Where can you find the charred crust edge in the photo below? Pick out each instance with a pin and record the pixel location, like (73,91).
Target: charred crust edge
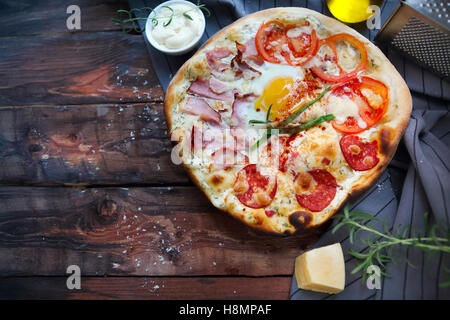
(300,220)
(386,140)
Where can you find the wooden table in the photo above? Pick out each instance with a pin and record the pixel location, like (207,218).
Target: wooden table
(86,176)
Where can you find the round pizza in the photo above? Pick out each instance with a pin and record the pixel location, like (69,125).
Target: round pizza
(283,115)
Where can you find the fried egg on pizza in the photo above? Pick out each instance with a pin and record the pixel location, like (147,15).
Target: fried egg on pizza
(326,102)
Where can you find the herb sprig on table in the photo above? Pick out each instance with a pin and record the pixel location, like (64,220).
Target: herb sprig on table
(283,125)
(436,238)
(130,20)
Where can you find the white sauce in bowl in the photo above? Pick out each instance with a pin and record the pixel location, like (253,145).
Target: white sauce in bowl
(181,31)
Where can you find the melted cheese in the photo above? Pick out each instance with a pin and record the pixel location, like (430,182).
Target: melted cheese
(342,108)
(303,182)
(241,184)
(295,32)
(348,56)
(374,99)
(262,198)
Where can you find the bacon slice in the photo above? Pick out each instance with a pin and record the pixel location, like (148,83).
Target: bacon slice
(211,137)
(214,139)
(227,157)
(196,138)
(217,86)
(199,107)
(360,155)
(320,194)
(241,67)
(239,107)
(245,53)
(203,89)
(251,53)
(259,190)
(239,119)
(214,58)
(238,114)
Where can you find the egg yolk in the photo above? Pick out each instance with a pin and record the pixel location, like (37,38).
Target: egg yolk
(276,93)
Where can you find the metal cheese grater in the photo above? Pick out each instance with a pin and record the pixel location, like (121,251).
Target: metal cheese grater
(420,29)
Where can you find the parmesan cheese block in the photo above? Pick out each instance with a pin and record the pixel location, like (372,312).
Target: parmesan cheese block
(321,269)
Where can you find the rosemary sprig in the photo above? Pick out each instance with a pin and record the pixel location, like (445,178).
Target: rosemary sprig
(291,130)
(297,112)
(268,131)
(381,244)
(170,17)
(264,138)
(187,16)
(307,125)
(129,19)
(268,113)
(282,125)
(259,122)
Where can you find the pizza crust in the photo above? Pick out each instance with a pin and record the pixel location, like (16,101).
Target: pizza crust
(390,128)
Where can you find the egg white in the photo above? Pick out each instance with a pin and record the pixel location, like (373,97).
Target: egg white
(256,86)
(270,72)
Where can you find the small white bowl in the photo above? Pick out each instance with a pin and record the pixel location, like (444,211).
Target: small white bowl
(173,52)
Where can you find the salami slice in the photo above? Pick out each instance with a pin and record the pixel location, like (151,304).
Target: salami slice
(253,189)
(360,155)
(317,196)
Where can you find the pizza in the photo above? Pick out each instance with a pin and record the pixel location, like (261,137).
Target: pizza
(285,114)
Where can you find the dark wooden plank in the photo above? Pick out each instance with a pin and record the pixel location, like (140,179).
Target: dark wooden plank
(135,231)
(195,288)
(76,69)
(87,144)
(18,18)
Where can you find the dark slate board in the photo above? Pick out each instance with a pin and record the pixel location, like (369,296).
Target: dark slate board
(417,176)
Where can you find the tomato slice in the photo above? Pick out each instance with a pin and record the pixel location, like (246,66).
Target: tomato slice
(372,98)
(275,46)
(376,94)
(349,126)
(370,115)
(269,40)
(343,76)
(303,47)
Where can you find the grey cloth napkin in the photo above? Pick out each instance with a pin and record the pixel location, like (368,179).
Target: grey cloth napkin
(417,180)
(426,188)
